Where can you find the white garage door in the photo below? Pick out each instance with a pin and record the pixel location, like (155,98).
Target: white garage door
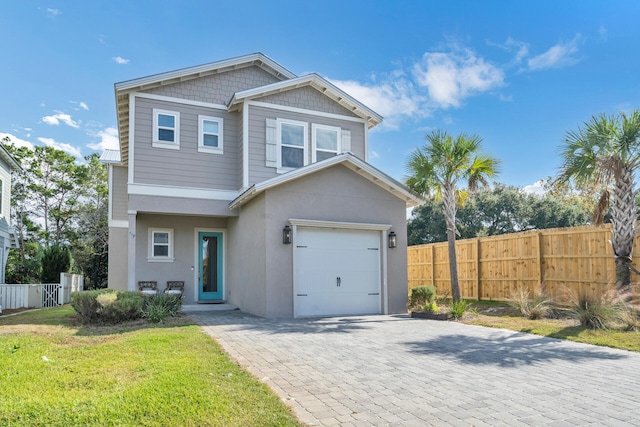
(337,272)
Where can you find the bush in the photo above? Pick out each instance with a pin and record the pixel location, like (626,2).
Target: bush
(87,306)
(538,307)
(422,296)
(595,311)
(159,307)
(55,260)
(123,309)
(457,308)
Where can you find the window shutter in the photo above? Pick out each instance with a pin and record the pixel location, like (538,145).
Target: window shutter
(345,143)
(272,143)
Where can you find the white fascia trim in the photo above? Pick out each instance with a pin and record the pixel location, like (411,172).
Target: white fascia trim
(341,225)
(110,192)
(116,223)
(203,69)
(307,112)
(180,101)
(366,143)
(132,127)
(181,192)
(245,147)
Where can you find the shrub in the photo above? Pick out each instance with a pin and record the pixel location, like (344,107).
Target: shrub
(457,308)
(159,307)
(123,309)
(629,319)
(431,307)
(87,306)
(422,296)
(55,260)
(595,311)
(538,307)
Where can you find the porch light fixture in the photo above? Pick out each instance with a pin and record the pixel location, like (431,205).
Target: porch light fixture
(286,235)
(393,241)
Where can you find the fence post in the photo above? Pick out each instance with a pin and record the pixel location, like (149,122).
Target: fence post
(433,265)
(540,259)
(478,285)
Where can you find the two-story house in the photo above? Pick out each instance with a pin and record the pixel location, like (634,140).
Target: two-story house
(251,184)
(7,236)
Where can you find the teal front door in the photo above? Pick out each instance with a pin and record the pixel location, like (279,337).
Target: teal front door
(210,266)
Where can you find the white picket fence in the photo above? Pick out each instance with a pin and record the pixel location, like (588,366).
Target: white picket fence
(40,295)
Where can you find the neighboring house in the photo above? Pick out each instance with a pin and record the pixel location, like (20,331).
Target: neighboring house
(7,235)
(221,164)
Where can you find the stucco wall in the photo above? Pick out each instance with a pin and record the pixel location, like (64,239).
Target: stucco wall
(117,275)
(184,250)
(335,194)
(247,259)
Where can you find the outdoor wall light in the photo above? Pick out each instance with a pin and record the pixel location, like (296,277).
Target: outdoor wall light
(393,241)
(286,235)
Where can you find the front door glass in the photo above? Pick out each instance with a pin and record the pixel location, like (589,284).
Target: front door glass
(210,266)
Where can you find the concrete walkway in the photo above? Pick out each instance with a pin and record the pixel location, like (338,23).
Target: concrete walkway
(397,371)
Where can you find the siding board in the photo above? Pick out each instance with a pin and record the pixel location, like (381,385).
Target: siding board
(119,194)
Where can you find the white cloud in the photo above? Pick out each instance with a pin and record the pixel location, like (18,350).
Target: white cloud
(108,140)
(451,77)
(374,155)
(67,148)
(53,12)
(61,117)
(16,141)
(120,60)
(84,105)
(535,188)
(558,56)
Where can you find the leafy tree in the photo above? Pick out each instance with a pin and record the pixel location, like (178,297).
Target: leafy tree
(493,211)
(437,168)
(55,260)
(606,151)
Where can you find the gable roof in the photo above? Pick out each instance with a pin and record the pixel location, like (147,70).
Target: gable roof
(348,160)
(123,89)
(9,159)
(314,80)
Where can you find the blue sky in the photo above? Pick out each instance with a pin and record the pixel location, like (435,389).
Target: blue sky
(518,73)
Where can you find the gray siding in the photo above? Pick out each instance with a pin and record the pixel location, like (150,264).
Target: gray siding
(217,88)
(309,99)
(185,167)
(180,206)
(257,133)
(119,193)
(5,202)
(117,264)
(184,250)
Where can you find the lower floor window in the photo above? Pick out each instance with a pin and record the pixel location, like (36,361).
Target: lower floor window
(160,244)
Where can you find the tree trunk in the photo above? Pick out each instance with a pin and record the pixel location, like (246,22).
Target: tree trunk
(449,206)
(623,219)
(453,266)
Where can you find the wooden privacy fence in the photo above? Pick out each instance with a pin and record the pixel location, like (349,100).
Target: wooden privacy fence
(489,268)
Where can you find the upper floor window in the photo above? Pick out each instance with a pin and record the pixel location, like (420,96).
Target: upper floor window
(326,142)
(292,139)
(210,134)
(166,129)
(160,245)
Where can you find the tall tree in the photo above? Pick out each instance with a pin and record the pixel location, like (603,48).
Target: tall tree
(606,151)
(438,168)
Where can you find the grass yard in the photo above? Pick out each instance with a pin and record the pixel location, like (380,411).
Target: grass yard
(56,373)
(500,315)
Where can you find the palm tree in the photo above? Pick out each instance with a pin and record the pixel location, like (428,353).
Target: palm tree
(607,152)
(437,168)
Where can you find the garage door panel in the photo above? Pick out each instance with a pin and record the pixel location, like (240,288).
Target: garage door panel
(337,272)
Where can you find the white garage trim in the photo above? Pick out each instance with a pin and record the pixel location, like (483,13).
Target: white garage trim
(380,228)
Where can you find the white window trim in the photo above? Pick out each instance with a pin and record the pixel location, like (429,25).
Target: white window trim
(204,148)
(337,130)
(175,145)
(150,256)
(305,143)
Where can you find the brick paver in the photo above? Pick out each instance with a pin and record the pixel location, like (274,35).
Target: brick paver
(398,371)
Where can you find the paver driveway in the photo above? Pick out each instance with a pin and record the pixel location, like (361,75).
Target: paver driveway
(394,370)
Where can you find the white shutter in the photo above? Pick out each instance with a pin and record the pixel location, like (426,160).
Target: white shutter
(272,143)
(345,143)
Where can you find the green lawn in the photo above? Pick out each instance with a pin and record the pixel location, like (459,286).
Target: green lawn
(56,373)
(569,329)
